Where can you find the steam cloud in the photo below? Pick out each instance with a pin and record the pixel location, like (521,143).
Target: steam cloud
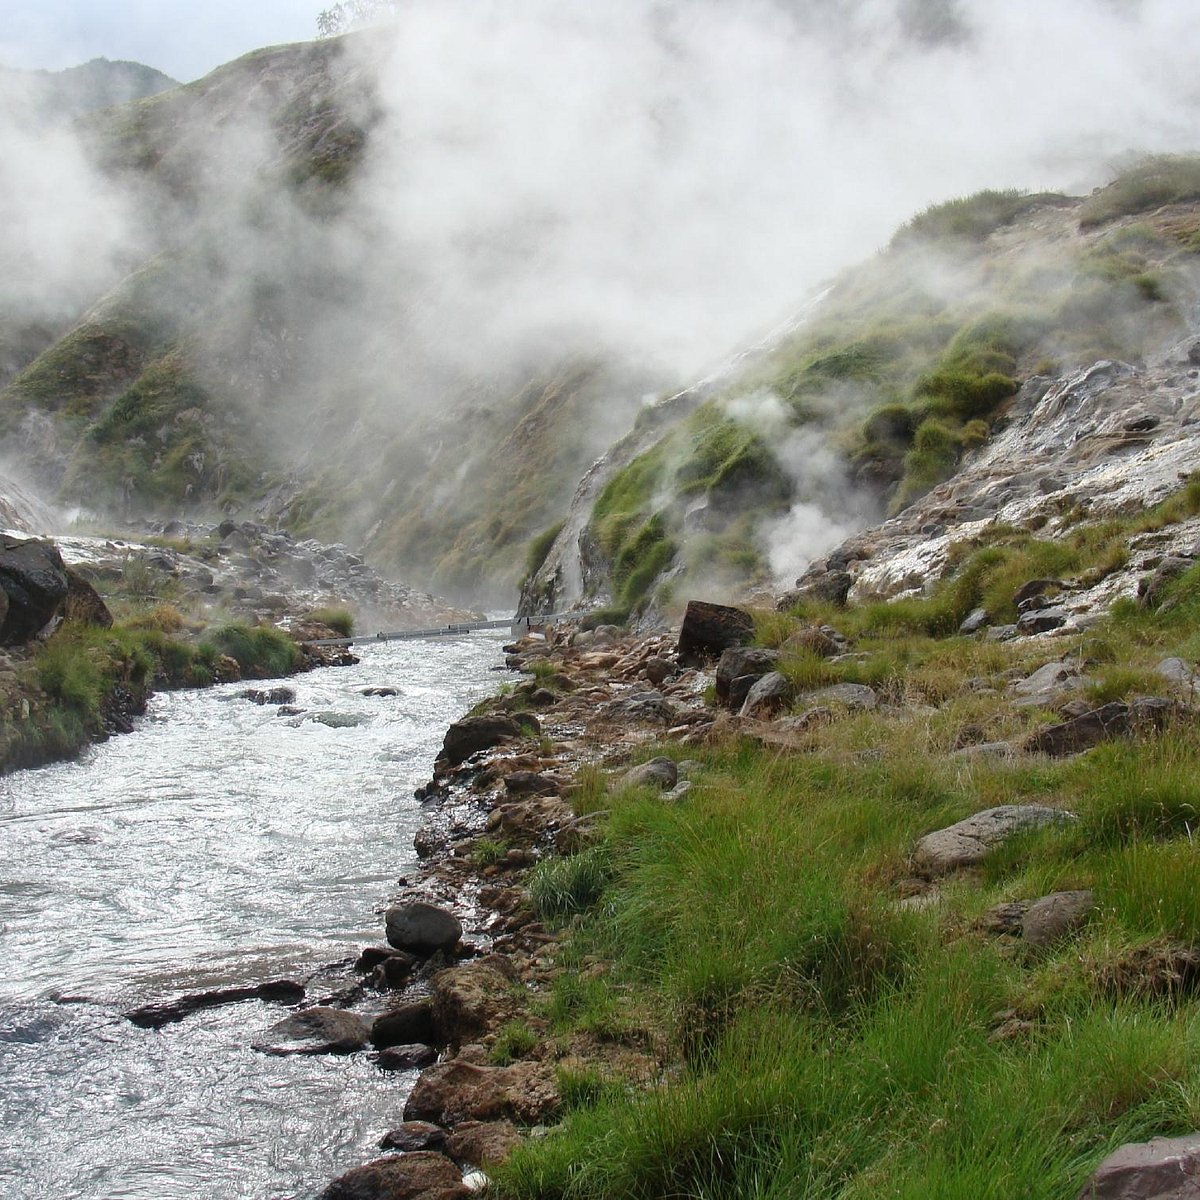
(659,181)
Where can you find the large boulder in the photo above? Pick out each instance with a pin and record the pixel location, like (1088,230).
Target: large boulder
(970,841)
(709,629)
(34,578)
(768,695)
(483,1143)
(472,734)
(659,772)
(455,1091)
(423,1175)
(473,999)
(406,1025)
(1160,1169)
(421,928)
(317,1030)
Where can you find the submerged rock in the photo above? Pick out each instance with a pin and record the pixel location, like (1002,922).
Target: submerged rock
(154,1016)
(317,1030)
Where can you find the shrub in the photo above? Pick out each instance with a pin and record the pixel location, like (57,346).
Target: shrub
(259,650)
(1154,181)
(340,620)
(562,887)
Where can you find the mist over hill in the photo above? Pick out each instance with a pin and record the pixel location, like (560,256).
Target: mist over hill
(404,286)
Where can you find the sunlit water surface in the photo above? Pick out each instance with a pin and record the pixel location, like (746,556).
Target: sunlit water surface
(220,844)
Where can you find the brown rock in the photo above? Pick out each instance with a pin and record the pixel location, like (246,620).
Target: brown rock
(1160,1169)
(413,1136)
(483,1143)
(83,603)
(1055,916)
(473,999)
(815,640)
(452,1092)
(420,1176)
(709,629)
(1118,719)
(413,1022)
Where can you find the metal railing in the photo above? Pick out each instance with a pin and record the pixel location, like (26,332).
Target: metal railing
(516,624)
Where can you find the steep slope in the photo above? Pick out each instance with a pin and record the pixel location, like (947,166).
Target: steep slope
(904,371)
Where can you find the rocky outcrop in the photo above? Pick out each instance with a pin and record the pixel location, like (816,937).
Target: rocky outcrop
(456,1091)
(969,842)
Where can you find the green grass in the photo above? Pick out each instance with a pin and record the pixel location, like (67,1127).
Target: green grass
(1155,181)
(562,887)
(340,620)
(260,651)
(514,1041)
(971,218)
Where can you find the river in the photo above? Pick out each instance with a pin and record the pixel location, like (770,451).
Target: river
(218,844)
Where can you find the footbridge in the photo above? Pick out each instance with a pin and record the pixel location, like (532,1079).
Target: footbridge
(517,625)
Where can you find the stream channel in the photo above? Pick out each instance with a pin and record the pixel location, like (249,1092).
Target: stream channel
(220,844)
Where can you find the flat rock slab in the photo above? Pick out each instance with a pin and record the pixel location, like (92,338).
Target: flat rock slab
(1160,1169)
(1047,684)
(317,1030)
(424,1175)
(970,841)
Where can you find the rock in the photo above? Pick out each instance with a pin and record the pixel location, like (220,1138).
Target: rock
(1054,916)
(1004,919)
(371,957)
(974,621)
(1175,670)
(340,720)
(424,1175)
(986,750)
(154,1016)
(1117,719)
(405,1057)
(394,972)
(1035,587)
(1001,633)
(380,691)
(451,1092)
(1160,1169)
(275,695)
(810,718)
(855,696)
(472,734)
(1047,684)
(767,696)
(710,629)
(483,1143)
(316,1031)
(83,603)
(1152,588)
(648,707)
(421,928)
(742,663)
(814,640)
(828,587)
(658,772)
(1041,620)
(530,783)
(969,841)
(473,999)
(658,670)
(34,578)
(413,1136)
(404,1025)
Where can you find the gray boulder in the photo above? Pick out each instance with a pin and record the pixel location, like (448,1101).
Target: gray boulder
(1117,719)
(767,696)
(708,629)
(317,1030)
(968,842)
(421,928)
(855,696)
(658,772)
(741,662)
(1160,1169)
(1041,620)
(1047,684)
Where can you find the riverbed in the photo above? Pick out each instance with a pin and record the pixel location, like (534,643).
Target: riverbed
(221,843)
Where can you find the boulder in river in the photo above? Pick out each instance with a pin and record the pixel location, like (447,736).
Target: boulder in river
(404,1025)
(317,1030)
(421,927)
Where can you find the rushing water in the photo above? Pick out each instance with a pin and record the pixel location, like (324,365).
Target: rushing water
(219,844)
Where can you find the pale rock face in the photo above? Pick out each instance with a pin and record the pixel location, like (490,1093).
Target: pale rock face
(1112,438)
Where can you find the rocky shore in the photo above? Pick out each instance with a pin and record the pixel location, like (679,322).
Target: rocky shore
(462,989)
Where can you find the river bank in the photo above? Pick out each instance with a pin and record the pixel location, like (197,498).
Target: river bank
(760,925)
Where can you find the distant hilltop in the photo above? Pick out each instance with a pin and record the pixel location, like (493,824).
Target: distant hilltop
(100,83)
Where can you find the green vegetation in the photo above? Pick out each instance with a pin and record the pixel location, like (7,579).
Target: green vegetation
(340,620)
(971,218)
(820,1036)
(514,1041)
(260,651)
(1157,180)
